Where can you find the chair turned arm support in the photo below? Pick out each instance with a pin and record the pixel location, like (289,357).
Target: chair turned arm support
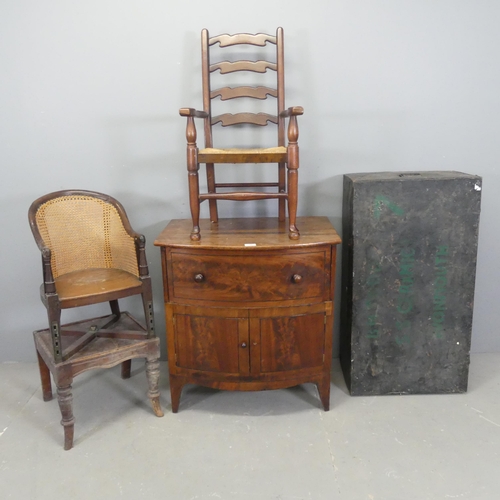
(49,286)
(140,245)
(191,114)
(293,128)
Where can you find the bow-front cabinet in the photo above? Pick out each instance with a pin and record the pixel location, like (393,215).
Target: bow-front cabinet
(247,308)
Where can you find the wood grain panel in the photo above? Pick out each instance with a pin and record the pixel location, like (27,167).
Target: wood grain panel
(256,277)
(262,232)
(81,287)
(292,343)
(208,343)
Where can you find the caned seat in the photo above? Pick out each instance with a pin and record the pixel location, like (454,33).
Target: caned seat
(286,156)
(90,254)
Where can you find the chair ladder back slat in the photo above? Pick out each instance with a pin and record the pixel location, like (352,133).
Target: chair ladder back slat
(259,39)
(260,119)
(226,67)
(226,93)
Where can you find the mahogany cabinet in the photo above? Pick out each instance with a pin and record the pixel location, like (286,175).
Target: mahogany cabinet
(247,308)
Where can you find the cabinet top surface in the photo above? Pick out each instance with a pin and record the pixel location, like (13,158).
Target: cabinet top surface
(249,233)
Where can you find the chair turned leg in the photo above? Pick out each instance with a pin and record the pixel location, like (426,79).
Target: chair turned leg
(153,374)
(126,367)
(214,217)
(281,189)
(45,378)
(292,202)
(194,186)
(293,173)
(115,308)
(194,204)
(65,400)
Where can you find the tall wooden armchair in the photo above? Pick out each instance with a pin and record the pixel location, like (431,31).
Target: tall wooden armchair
(231,48)
(90,254)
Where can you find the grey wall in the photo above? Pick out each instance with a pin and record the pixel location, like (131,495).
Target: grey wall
(90,93)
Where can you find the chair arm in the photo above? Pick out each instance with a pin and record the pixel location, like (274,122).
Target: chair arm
(49,286)
(193,113)
(131,232)
(292,111)
(140,246)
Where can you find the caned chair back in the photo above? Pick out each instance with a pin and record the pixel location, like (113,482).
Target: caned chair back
(83,230)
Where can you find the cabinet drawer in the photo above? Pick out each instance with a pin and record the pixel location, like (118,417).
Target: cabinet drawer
(251,277)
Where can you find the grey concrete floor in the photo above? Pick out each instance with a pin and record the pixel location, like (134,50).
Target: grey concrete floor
(242,446)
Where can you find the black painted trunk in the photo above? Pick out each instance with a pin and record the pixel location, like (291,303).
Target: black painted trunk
(408,273)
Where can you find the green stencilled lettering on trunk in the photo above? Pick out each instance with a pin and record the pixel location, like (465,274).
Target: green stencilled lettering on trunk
(405,299)
(382,201)
(440,291)
(372,285)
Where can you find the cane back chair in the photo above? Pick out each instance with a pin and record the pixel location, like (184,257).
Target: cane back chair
(90,254)
(286,156)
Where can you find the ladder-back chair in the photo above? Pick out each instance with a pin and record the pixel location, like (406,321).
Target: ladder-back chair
(90,254)
(285,155)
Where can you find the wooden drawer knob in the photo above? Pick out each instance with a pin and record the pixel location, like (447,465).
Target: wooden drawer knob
(297,278)
(199,278)
(243,345)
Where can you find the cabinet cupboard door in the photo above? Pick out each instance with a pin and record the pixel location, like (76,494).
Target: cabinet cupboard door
(288,342)
(211,343)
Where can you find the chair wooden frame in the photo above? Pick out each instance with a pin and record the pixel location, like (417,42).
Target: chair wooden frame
(68,350)
(287,157)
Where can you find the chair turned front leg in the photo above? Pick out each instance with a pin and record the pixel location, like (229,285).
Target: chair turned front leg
(45,378)
(153,374)
(293,166)
(194,204)
(65,400)
(194,186)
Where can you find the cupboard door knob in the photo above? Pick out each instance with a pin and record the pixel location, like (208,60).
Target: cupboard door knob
(243,345)
(297,278)
(199,278)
